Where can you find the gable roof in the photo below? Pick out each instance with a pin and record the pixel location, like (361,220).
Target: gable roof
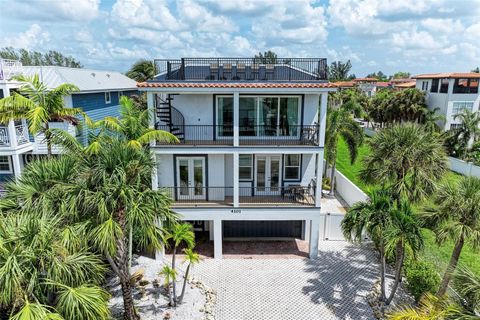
(454,75)
(84,79)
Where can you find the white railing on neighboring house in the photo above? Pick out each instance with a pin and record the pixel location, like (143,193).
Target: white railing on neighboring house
(21,133)
(463,167)
(4,138)
(9,68)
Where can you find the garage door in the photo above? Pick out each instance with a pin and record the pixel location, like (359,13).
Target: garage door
(262,229)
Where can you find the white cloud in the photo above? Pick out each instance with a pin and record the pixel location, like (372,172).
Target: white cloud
(71,10)
(33,38)
(202,19)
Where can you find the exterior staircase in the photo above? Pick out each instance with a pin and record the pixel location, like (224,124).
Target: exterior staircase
(168,117)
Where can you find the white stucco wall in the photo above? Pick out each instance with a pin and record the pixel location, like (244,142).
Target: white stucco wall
(216,176)
(311,108)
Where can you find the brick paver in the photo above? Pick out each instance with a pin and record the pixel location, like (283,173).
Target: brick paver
(331,287)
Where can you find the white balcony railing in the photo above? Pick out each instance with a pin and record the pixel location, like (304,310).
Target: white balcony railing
(9,68)
(4,138)
(21,133)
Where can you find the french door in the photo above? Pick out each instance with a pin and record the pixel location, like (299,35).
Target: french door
(191,178)
(268,175)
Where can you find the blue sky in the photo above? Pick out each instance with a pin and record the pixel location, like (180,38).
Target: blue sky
(389,35)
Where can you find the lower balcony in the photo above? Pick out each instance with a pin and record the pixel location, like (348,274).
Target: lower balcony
(19,137)
(289,196)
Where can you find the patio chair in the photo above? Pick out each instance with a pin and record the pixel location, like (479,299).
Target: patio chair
(269,71)
(240,72)
(213,71)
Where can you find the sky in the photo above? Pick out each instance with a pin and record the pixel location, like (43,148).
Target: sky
(417,36)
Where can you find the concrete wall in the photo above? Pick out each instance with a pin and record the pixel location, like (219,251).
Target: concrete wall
(463,167)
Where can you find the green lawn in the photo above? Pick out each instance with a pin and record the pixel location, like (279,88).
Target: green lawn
(440,255)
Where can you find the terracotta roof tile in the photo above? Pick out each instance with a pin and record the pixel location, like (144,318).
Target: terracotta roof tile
(406,85)
(344,84)
(235,85)
(447,75)
(365,79)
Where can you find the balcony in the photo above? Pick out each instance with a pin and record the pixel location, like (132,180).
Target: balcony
(242,69)
(20,137)
(192,135)
(289,196)
(9,68)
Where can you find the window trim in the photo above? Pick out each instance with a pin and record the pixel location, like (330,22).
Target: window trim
(109,95)
(453,106)
(251,167)
(285,166)
(10,166)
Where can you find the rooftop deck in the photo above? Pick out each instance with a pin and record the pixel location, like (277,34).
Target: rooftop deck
(241,69)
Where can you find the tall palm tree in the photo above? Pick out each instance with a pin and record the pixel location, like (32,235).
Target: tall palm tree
(178,234)
(469,131)
(339,70)
(455,215)
(407,160)
(142,70)
(191,258)
(39,105)
(340,123)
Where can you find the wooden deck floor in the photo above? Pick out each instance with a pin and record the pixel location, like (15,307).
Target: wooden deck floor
(254,201)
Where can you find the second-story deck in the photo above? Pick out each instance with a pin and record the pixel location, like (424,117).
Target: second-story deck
(241,69)
(18,136)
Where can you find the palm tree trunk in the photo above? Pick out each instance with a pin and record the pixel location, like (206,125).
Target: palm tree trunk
(170,295)
(48,138)
(457,250)
(129,312)
(174,283)
(398,271)
(180,299)
(382,273)
(332,178)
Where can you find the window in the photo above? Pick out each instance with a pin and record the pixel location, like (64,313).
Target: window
(225,116)
(465,86)
(444,86)
(459,106)
(292,167)
(5,164)
(455,126)
(108,98)
(434,87)
(425,85)
(245,166)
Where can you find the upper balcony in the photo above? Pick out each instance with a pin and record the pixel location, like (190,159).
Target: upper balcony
(12,138)
(242,69)
(9,68)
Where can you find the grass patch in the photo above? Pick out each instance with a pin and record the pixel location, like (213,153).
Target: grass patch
(440,255)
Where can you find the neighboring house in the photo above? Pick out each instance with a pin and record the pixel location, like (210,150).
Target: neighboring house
(98,97)
(451,93)
(368,85)
(249,162)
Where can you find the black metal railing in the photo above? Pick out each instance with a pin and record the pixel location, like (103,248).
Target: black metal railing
(242,69)
(248,135)
(248,196)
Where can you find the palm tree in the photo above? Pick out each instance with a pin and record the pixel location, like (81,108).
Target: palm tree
(170,276)
(430,307)
(142,70)
(431,119)
(178,234)
(467,283)
(455,215)
(373,217)
(403,236)
(39,105)
(340,123)
(339,71)
(469,131)
(407,160)
(191,258)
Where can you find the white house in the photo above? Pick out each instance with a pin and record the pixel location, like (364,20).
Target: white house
(98,96)
(249,161)
(451,93)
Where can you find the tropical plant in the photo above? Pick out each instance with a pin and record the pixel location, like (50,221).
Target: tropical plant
(179,233)
(430,307)
(467,284)
(170,277)
(191,258)
(455,214)
(339,71)
(407,160)
(143,70)
(468,132)
(340,123)
(266,57)
(39,105)
(422,277)
(431,119)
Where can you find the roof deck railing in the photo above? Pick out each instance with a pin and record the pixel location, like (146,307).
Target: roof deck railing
(241,69)
(9,68)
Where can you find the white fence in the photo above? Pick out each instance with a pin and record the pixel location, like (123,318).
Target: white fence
(464,168)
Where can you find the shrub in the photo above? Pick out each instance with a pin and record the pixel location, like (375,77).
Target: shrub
(422,277)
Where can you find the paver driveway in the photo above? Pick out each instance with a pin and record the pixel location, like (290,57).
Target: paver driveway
(331,287)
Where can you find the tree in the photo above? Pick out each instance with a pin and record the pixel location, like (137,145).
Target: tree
(191,258)
(431,119)
(407,160)
(401,75)
(178,234)
(143,70)
(455,215)
(469,131)
(340,123)
(339,71)
(36,58)
(430,307)
(39,105)
(476,70)
(266,57)
(170,276)
(380,76)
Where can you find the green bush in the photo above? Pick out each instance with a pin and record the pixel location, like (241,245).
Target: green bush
(422,277)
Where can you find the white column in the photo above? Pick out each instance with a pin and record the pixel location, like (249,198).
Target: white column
(314,231)
(236,119)
(236,182)
(12,135)
(217,241)
(17,168)
(318,178)
(307,230)
(323,118)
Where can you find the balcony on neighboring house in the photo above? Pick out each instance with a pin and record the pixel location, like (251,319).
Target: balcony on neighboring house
(241,69)
(16,137)
(9,68)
